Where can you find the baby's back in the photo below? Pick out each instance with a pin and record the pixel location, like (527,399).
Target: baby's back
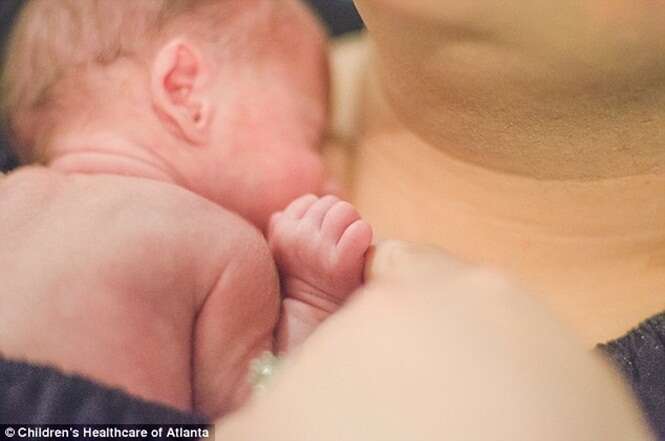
(133,288)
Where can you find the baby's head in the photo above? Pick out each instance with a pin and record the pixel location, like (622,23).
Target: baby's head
(225,97)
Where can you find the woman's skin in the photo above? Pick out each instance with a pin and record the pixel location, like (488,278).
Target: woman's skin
(529,138)
(524,137)
(450,352)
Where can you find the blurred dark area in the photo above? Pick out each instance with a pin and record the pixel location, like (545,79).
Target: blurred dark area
(340,17)
(8,9)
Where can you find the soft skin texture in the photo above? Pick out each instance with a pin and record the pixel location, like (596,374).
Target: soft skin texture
(526,136)
(451,352)
(319,245)
(136,284)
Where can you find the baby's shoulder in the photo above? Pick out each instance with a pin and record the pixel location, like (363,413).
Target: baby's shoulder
(168,209)
(126,210)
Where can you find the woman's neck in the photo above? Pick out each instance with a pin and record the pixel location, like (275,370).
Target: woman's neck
(592,249)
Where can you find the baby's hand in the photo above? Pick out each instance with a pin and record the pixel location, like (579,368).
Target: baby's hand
(319,245)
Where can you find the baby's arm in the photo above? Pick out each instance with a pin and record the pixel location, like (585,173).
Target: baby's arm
(236,321)
(319,245)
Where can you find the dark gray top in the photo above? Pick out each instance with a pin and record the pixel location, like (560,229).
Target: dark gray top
(640,356)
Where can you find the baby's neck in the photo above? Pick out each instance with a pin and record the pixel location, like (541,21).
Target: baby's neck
(108,153)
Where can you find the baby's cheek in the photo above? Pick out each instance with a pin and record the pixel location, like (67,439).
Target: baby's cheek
(294,177)
(308,177)
(310,172)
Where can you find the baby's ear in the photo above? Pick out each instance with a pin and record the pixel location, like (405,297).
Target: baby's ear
(178,81)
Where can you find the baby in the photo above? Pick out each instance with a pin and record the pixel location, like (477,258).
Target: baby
(136,101)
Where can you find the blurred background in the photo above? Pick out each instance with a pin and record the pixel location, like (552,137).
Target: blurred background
(340,16)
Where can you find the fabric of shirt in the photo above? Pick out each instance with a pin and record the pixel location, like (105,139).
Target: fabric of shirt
(640,357)
(31,394)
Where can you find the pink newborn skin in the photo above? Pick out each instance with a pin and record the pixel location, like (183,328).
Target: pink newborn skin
(319,245)
(163,289)
(136,284)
